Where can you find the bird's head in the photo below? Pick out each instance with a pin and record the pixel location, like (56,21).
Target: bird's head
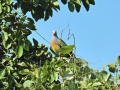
(54,33)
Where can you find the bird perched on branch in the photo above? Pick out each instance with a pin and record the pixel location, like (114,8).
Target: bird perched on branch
(59,47)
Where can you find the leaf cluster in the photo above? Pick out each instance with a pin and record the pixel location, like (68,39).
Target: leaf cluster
(30,66)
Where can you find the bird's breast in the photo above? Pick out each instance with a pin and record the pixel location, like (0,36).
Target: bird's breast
(54,46)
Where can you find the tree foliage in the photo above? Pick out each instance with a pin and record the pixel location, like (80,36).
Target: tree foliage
(29,66)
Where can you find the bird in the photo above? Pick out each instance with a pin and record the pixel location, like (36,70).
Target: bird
(56,44)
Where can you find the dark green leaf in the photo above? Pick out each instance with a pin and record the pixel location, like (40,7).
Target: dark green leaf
(26,45)
(77,5)
(35,42)
(92,2)
(71,6)
(8,44)
(30,20)
(112,68)
(118,60)
(46,15)
(86,4)
(19,51)
(64,1)
(36,2)
(10,80)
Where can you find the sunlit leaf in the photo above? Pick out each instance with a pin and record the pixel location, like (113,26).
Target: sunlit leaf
(2,73)
(66,49)
(55,74)
(5,36)
(19,51)
(97,84)
(51,78)
(56,3)
(0,8)
(8,9)
(107,77)
(27,83)
(24,72)
(37,72)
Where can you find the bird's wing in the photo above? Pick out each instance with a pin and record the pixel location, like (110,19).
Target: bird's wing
(62,43)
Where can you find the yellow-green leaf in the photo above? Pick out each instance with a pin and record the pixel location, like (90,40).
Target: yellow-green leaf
(19,51)
(66,49)
(0,8)
(5,36)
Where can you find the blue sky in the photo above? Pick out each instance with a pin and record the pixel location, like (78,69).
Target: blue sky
(96,31)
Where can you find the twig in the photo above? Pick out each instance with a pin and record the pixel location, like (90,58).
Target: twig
(42,37)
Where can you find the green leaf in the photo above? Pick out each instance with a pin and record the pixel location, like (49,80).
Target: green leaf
(64,1)
(8,8)
(37,72)
(24,72)
(118,60)
(2,73)
(30,20)
(60,63)
(112,67)
(92,2)
(77,5)
(55,74)
(66,49)
(4,36)
(19,51)
(71,6)
(46,15)
(9,2)
(22,64)
(107,77)
(86,4)
(35,42)
(26,45)
(56,4)
(8,44)
(27,83)
(36,2)
(51,78)
(68,75)
(0,8)
(10,80)
(97,84)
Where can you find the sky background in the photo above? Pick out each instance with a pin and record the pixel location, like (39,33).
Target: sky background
(97,32)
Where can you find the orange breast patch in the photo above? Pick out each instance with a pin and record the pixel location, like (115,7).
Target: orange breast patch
(54,46)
